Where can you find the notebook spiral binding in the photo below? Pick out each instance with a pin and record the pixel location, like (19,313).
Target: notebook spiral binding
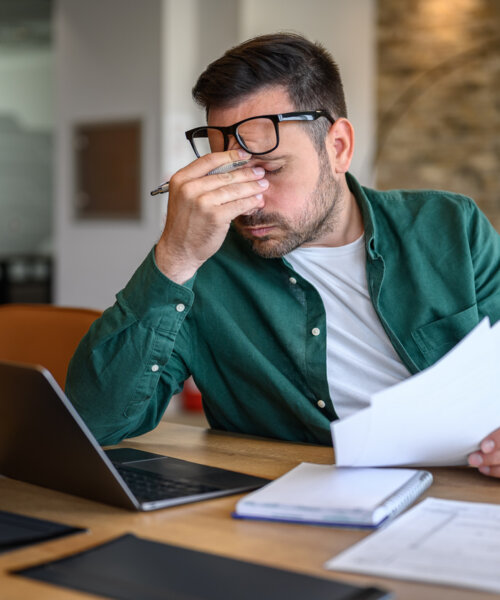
(406,495)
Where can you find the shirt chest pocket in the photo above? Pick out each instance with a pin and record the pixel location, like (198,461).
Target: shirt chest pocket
(435,339)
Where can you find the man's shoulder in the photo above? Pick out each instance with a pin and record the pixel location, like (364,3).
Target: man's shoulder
(411,200)
(418,214)
(419,208)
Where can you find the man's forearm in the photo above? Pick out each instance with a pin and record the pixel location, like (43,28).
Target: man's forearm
(127,366)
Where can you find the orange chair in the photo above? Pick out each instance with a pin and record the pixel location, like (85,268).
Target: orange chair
(43,334)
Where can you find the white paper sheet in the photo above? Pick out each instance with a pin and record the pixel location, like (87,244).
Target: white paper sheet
(438,541)
(437,417)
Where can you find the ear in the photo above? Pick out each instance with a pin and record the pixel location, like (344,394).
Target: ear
(340,145)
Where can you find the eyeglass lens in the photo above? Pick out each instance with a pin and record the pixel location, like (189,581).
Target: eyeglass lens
(258,136)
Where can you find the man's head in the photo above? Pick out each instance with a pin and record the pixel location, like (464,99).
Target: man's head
(307,201)
(303,68)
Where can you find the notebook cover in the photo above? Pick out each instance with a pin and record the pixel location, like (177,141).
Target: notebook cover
(132,568)
(18,530)
(336,525)
(312,494)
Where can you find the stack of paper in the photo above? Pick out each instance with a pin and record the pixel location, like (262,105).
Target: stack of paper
(438,541)
(437,417)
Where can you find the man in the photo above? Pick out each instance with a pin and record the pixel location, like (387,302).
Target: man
(286,289)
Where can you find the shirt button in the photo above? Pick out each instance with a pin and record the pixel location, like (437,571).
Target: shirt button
(180,308)
(315,331)
(321,403)
(292,280)
(155,368)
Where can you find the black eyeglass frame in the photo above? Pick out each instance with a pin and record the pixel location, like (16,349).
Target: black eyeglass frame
(309,115)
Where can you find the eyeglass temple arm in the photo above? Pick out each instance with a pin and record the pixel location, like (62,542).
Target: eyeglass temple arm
(307,117)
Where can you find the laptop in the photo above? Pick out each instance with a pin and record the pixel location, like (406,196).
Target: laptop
(43,440)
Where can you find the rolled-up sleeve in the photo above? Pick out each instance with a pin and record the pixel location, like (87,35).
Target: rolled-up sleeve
(131,362)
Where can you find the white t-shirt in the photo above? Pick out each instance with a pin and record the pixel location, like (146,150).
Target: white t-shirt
(360,357)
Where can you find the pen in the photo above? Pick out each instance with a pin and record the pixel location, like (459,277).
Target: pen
(163,188)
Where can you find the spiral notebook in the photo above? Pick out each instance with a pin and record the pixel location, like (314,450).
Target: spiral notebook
(336,496)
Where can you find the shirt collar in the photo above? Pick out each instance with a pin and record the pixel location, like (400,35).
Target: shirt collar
(366,212)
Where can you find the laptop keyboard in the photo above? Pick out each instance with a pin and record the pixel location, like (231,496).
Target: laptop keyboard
(151,486)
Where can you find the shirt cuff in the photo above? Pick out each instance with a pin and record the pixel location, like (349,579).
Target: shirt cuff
(155,299)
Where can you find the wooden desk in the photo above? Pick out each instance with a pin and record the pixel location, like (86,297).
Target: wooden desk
(207,525)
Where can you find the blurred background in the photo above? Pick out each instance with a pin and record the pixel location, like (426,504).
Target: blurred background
(95,97)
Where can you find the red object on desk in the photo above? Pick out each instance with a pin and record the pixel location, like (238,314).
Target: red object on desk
(191,397)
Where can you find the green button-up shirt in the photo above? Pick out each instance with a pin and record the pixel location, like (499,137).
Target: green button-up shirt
(243,328)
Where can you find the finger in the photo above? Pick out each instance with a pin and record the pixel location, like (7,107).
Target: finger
(201,166)
(214,199)
(491,442)
(225,182)
(488,445)
(492,458)
(479,459)
(231,193)
(229,211)
(489,453)
(475,459)
(490,471)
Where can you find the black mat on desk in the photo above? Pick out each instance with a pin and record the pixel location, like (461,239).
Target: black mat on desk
(17,530)
(133,568)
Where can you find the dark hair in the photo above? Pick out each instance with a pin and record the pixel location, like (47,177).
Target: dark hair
(305,69)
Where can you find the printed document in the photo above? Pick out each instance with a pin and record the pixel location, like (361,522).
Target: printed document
(438,541)
(437,417)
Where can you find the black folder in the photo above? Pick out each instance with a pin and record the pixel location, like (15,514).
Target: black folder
(17,530)
(134,568)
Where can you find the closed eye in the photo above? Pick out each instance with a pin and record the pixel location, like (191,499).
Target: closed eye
(273,171)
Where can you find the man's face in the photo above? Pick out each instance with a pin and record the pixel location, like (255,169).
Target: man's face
(301,198)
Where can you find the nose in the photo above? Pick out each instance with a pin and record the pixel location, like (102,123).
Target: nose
(233,143)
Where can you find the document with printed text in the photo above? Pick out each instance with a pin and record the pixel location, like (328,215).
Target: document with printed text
(437,417)
(438,541)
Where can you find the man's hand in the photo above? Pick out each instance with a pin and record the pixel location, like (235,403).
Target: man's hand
(487,459)
(201,208)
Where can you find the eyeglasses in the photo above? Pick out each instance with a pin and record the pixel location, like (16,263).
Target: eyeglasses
(256,135)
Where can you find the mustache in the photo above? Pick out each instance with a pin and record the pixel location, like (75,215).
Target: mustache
(260,218)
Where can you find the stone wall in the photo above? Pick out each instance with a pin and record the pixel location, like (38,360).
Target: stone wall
(439,98)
